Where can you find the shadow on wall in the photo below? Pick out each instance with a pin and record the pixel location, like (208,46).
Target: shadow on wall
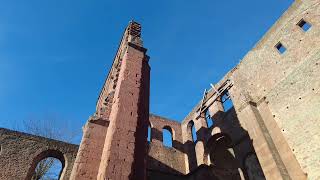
(227,146)
(201,173)
(163,158)
(230,149)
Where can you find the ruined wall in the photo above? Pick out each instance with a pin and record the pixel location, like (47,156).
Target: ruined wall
(95,130)
(173,162)
(227,145)
(124,152)
(201,173)
(240,147)
(124,97)
(276,98)
(274,122)
(20,153)
(289,85)
(161,158)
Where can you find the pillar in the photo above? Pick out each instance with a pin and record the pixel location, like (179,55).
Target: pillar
(124,152)
(201,127)
(216,110)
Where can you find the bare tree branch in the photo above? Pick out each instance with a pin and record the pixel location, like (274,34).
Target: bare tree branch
(50,128)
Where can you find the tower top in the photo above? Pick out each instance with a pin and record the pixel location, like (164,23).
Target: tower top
(131,38)
(134,29)
(133,33)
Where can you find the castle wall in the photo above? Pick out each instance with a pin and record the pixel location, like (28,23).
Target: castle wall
(289,85)
(276,96)
(162,158)
(21,152)
(95,130)
(227,161)
(272,131)
(124,151)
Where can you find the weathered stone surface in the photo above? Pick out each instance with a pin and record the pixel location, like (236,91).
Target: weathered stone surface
(125,146)
(161,158)
(271,132)
(21,152)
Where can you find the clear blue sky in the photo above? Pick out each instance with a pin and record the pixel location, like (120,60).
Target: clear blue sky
(55,55)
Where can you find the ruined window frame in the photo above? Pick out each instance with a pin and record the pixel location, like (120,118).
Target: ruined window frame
(280,48)
(304,25)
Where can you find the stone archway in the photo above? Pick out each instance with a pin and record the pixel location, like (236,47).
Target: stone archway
(47,154)
(222,161)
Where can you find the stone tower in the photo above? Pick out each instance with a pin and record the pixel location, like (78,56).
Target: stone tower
(115,138)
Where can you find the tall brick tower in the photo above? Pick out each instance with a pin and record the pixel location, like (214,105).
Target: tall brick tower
(115,138)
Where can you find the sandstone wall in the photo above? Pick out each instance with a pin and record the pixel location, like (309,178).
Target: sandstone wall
(276,96)
(20,153)
(161,158)
(227,161)
(289,85)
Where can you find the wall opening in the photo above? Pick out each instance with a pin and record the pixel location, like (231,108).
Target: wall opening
(280,47)
(191,132)
(194,133)
(209,120)
(305,26)
(167,136)
(49,164)
(149,134)
(226,101)
(48,168)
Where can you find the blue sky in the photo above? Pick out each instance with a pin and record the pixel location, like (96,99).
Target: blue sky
(55,55)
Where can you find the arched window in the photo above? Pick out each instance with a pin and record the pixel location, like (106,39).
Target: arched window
(167,136)
(192,133)
(209,120)
(48,168)
(149,133)
(48,164)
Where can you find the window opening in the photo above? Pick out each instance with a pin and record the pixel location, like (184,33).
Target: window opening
(281,49)
(305,26)
(209,120)
(149,134)
(48,168)
(167,137)
(226,101)
(194,133)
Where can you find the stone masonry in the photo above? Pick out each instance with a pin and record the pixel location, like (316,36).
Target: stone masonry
(272,131)
(21,152)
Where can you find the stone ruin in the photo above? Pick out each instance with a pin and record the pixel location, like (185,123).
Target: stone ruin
(271,132)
